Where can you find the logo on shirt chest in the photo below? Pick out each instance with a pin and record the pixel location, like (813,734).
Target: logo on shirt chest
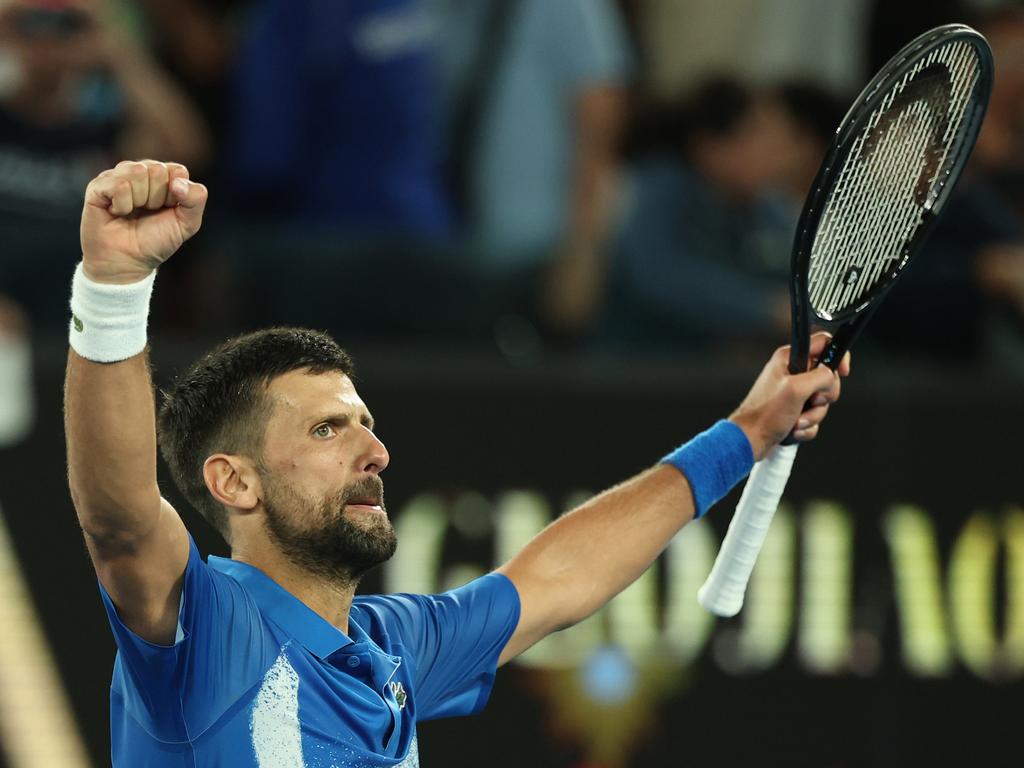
(399,692)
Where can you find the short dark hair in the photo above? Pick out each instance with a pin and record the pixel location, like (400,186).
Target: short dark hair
(219,404)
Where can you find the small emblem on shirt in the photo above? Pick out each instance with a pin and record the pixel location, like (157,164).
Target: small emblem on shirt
(79,326)
(399,690)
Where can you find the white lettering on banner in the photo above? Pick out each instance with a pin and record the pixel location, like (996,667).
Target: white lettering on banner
(942,618)
(972,595)
(825,588)
(767,618)
(918,588)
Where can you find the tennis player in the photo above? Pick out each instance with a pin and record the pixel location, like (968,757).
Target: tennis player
(267,659)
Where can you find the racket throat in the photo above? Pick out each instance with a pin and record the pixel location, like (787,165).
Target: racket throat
(844,338)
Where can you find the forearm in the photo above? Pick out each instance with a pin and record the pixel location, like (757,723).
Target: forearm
(592,553)
(111,445)
(585,558)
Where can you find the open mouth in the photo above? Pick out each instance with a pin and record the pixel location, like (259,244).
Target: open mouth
(376,505)
(367,495)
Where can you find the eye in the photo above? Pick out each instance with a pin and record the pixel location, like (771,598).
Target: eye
(324,431)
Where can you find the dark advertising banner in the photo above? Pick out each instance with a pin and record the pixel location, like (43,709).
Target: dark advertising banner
(884,624)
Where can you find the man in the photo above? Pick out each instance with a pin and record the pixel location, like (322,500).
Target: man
(267,659)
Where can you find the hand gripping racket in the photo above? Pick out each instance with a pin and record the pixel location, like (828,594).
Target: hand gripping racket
(894,160)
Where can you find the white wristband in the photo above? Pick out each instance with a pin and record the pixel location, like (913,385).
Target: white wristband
(108,322)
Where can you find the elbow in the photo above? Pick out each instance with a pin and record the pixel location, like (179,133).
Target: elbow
(117,517)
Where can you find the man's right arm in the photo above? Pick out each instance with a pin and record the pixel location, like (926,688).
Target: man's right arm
(135,217)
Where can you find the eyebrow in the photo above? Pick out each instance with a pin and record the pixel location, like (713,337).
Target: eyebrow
(365,418)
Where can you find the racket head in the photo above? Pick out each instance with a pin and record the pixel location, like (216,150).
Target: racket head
(885,179)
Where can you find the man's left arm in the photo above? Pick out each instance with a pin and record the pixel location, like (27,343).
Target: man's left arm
(586,557)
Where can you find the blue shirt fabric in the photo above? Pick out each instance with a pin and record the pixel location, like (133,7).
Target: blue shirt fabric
(256,679)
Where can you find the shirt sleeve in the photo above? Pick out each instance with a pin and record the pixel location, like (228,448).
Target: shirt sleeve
(175,692)
(455,639)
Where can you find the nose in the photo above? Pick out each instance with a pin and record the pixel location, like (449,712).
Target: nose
(374,457)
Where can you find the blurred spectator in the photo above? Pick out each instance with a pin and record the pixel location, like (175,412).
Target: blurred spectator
(963,296)
(336,168)
(535,91)
(336,118)
(999,158)
(195,41)
(704,250)
(461,149)
(76,95)
(1000,150)
(942,306)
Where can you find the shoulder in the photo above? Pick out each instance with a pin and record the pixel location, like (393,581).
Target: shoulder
(405,612)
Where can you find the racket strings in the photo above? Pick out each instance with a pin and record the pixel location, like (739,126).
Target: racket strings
(948,109)
(875,182)
(885,176)
(893,173)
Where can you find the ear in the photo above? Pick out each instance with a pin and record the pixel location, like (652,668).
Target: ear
(233,481)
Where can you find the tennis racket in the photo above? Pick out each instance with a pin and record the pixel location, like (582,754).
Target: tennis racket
(894,160)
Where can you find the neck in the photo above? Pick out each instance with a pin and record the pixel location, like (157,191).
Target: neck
(330,598)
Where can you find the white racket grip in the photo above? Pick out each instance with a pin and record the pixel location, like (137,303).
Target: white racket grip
(722,593)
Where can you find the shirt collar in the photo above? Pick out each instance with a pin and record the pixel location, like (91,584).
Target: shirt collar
(279,605)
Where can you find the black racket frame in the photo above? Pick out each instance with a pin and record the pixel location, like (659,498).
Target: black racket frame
(851,321)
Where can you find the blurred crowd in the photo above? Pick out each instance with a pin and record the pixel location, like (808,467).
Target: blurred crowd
(514,176)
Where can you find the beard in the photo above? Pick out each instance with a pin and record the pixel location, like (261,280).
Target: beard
(329,544)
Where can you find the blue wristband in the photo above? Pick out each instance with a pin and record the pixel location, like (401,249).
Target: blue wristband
(713,462)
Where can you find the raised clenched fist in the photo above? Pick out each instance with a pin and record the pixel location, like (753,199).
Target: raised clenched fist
(135,217)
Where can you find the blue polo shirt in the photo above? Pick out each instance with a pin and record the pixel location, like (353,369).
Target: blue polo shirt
(257,679)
